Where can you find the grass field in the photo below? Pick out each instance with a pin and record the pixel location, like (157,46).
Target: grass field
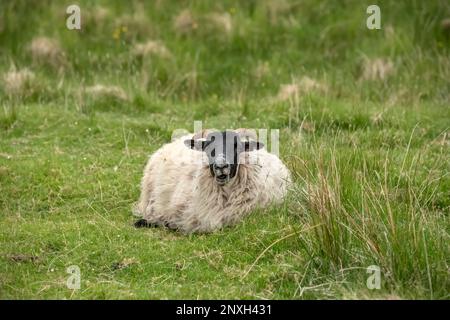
(364,120)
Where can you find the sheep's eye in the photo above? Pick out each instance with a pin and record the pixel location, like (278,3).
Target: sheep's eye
(213,153)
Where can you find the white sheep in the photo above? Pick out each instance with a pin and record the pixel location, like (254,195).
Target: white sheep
(198,185)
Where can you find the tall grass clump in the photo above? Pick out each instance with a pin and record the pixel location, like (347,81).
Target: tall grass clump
(372,210)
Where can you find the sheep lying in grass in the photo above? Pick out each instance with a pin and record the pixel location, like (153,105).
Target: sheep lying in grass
(198,185)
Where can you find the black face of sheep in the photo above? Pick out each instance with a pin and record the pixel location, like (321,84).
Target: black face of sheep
(223,150)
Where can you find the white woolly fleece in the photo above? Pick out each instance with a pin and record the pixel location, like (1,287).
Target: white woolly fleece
(179,191)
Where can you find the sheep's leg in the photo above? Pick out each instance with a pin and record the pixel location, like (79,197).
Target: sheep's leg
(142,223)
(144,200)
(146,191)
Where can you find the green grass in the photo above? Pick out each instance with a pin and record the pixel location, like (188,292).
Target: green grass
(370,158)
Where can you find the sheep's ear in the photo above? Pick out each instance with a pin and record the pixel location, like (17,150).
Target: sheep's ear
(193,144)
(252,145)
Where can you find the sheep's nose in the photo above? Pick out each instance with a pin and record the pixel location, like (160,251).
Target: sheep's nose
(221,163)
(221,166)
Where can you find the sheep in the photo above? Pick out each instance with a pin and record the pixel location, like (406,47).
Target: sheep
(198,185)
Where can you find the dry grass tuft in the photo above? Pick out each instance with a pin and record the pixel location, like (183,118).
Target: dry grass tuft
(220,21)
(296,89)
(47,51)
(261,70)
(127,27)
(288,91)
(308,126)
(399,96)
(377,69)
(443,140)
(184,22)
(275,9)
(215,22)
(152,47)
(18,82)
(377,118)
(96,16)
(100,91)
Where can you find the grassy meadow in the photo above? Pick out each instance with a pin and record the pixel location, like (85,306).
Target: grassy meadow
(364,120)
